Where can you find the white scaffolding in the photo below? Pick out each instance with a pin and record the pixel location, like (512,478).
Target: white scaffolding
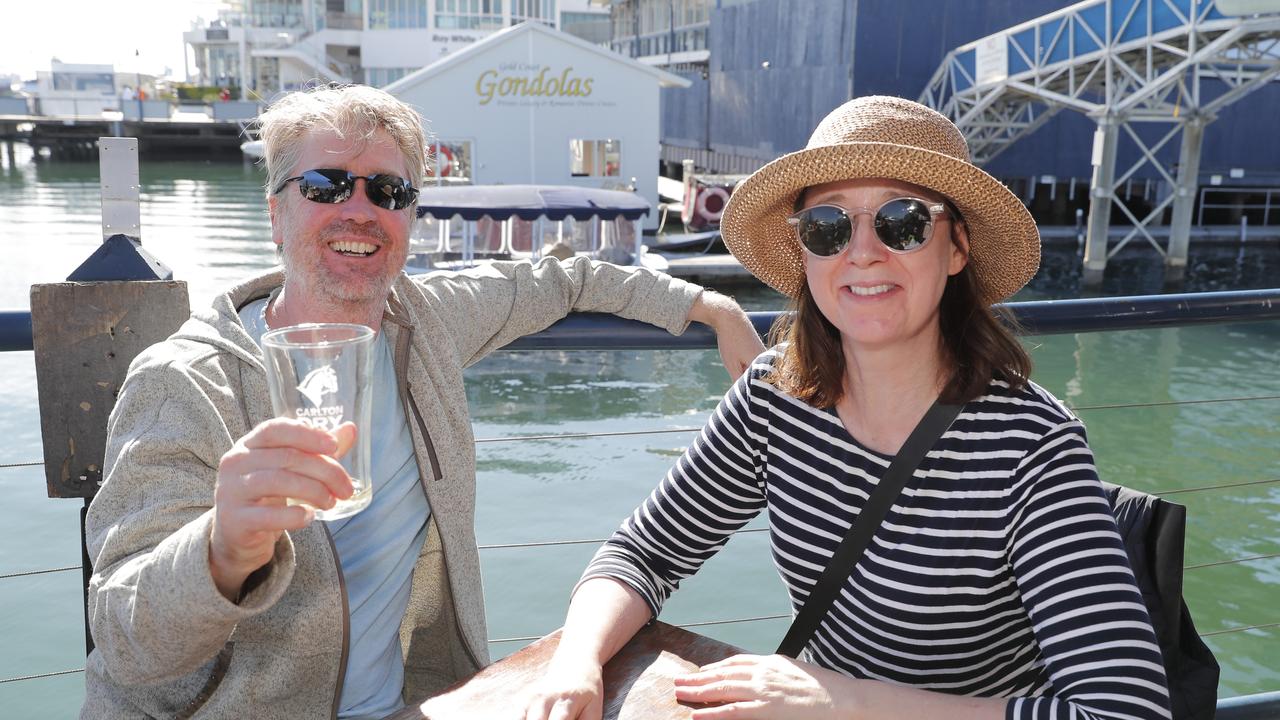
(1146,71)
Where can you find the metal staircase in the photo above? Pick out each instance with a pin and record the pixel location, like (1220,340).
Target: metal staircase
(1146,71)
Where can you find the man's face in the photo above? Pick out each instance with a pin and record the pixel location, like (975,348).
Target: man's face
(340,259)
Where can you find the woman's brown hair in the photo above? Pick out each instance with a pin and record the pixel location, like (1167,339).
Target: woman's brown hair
(977,343)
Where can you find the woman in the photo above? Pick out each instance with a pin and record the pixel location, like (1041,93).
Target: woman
(998,574)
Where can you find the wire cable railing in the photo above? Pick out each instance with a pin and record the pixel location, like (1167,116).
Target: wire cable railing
(600,541)
(41,675)
(748,531)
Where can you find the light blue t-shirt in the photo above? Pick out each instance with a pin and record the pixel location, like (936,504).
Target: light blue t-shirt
(378,546)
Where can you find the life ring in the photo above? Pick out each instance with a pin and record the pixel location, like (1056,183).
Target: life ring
(442,151)
(710,203)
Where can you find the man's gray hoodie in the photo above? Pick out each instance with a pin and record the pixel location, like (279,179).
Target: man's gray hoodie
(169,645)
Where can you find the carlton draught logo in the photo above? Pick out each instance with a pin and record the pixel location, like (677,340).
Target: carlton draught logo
(315,387)
(511,80)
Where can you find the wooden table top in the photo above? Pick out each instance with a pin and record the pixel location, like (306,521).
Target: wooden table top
(637,681)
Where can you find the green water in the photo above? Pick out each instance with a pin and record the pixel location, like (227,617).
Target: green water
(208,223)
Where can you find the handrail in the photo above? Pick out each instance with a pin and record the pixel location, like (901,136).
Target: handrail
(594,331)
(15,330)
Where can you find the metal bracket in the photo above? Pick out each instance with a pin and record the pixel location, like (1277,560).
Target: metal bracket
(121,192)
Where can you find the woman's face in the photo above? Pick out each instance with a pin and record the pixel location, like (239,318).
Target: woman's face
(875,297)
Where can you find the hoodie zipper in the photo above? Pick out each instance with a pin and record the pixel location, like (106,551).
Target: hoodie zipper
(346,623)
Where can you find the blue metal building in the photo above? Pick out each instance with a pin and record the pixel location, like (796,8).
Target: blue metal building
(764,72)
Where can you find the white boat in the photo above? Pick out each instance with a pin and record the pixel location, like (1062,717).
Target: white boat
(463,225)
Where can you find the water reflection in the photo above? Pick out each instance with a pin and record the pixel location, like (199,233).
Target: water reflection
(567,387)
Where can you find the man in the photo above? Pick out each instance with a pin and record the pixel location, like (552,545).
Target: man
(210,594)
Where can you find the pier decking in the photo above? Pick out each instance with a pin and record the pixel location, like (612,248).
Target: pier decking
(186,135)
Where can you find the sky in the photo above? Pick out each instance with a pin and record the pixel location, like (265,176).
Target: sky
(99,31)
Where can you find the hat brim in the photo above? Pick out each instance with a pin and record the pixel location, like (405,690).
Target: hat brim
(1004,243)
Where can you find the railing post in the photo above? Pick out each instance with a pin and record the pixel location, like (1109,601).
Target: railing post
(1100,196)
(639,226)
(1184,195)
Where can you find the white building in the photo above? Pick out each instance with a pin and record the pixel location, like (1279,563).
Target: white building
(88,90)
(532,105)
(262,47)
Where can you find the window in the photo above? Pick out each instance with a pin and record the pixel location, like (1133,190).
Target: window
(469,14)
(378,77)
(592,27)
(397,14)
(341,14)
(100,82)
(543,11)
(569,18)
(595,158)
(277,14)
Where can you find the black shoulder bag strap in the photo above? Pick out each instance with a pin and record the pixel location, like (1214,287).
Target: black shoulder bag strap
(927,432)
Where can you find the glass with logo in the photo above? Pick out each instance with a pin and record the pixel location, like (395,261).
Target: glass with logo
(320,374)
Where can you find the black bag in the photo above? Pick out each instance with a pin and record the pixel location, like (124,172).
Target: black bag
(1153,531)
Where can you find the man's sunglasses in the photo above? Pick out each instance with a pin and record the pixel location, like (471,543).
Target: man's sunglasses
(390,192)
(903,224)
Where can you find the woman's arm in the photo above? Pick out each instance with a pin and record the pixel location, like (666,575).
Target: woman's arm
(711,492)
(603,615)
(487,307)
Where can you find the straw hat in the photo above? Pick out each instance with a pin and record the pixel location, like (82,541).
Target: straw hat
(892,138)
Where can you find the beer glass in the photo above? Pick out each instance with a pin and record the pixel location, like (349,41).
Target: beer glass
(320,373)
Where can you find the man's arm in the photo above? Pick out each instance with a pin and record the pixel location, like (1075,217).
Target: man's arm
(154,608)
(487,307)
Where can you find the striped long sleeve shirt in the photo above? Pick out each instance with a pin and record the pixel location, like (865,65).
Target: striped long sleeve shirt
(998,571)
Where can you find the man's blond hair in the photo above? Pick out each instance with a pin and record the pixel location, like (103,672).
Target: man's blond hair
(353,112)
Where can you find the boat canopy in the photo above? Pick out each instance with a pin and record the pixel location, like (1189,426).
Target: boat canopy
(529,202)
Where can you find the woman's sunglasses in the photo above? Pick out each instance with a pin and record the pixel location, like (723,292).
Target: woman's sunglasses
(390,192)
(903,224)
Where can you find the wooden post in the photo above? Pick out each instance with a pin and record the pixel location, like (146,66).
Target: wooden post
(84,336)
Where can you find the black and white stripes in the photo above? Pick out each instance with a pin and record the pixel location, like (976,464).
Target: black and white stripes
(998,572)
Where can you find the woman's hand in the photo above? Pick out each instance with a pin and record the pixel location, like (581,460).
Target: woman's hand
(571,690)
(766,686)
